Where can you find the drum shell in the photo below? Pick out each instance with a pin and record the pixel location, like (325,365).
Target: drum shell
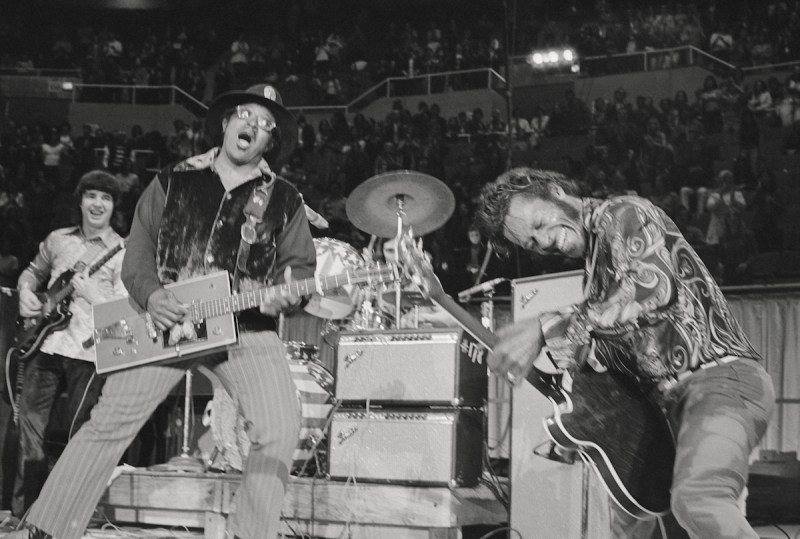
(333,258)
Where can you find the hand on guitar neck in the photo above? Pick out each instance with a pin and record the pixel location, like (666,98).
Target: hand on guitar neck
(29,303)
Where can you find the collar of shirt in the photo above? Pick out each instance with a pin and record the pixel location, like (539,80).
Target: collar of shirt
(206,161)
(107,238)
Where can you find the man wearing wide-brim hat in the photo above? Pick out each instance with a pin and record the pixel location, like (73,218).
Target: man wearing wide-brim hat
(222,210)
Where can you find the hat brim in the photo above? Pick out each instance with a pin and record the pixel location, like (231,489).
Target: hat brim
(284,120)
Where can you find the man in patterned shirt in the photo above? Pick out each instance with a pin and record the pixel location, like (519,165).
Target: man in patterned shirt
(62,361)
(651,311)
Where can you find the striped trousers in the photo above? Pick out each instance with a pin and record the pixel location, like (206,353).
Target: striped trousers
(256,374)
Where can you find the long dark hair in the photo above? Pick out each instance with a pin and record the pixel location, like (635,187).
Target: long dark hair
(496,198)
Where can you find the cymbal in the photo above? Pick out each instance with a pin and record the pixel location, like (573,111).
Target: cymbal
(408,298)
(427,202)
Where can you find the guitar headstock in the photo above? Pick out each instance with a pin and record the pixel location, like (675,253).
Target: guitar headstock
(375,272)
(417,266)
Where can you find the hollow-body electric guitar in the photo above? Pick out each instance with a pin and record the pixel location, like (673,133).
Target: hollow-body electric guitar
(605,417)
(132,338)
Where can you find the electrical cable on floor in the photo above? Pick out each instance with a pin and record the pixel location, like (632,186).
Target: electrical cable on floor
(494,483)
(503,529)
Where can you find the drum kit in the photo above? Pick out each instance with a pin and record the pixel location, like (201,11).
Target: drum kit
(385,206)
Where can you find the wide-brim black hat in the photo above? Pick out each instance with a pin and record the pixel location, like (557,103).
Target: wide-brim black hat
(265,95)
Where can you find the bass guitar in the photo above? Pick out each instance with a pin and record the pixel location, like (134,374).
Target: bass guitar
(55,314)
(133,340)
(605,417)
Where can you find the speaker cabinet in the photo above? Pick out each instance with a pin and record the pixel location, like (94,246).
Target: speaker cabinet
(549,499)
(418,446)
(428,367)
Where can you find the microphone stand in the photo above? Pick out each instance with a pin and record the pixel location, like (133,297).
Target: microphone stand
(485,263)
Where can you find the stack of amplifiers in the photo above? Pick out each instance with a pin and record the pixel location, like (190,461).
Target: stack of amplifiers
(411,407)
(419,446)
(431,367)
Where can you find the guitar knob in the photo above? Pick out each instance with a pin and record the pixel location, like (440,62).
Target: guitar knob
(118,351)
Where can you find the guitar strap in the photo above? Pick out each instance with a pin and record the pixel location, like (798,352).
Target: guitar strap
(254,214)
(90,254)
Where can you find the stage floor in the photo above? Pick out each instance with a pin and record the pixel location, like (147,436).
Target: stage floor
(143,504)
(790,531)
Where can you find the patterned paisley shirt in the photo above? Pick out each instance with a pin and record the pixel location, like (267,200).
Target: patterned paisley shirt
(651,308)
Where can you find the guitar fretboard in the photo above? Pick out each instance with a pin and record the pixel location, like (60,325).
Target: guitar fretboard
(99,263)
(250,299)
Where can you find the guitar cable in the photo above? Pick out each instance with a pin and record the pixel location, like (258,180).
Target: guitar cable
(9,387)
(80,406)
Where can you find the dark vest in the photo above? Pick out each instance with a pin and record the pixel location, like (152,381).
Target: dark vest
(201,226)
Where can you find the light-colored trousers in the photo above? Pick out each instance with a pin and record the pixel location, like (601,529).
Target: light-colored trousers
(719,415)
(256,374)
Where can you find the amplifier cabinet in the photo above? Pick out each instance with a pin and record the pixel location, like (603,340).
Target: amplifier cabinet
(535,295)
(444,367)
(414,446)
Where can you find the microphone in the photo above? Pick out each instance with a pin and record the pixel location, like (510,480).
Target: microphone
(483,287)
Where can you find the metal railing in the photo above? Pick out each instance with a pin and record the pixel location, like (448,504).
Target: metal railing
(430,84)
(660,59)
(10,71)
(134,95)
(392,87)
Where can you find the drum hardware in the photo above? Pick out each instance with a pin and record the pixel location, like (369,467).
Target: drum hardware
(386,204)
(314,385)
(184,462)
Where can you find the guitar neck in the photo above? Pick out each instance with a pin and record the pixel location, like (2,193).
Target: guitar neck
(467,321)
(66,291)
(544,382)
(255,298)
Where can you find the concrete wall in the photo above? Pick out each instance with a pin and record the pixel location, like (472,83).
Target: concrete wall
(112,117)
(38,110)
(450,103)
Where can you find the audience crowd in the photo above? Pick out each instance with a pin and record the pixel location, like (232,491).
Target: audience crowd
(327,57)
(672,153)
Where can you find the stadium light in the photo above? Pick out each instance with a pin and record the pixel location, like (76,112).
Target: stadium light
(554,60)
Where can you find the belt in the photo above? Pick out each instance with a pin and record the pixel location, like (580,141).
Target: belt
(668,383)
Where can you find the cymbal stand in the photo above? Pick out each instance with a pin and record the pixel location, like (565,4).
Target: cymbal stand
(184,462)
(398,293)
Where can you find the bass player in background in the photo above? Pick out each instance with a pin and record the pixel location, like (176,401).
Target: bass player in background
(653,312)
(62,364)
(222,210)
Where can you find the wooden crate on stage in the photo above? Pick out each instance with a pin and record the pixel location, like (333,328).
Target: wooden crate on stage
(313,507)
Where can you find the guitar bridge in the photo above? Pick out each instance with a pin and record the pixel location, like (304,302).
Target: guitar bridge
(117,330)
